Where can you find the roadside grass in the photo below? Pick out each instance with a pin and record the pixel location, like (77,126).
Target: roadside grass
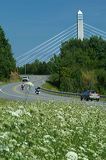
(49,86)
(4,82)
(103,99)
(52,131)
(7,82)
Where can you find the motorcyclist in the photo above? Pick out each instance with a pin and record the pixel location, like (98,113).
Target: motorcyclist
(22,86)
(37,90)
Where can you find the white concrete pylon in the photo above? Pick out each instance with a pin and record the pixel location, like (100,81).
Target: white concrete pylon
(80,30)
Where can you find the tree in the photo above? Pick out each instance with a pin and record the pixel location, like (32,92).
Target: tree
(7,62)
(55,69)
(82,65)
(36,68)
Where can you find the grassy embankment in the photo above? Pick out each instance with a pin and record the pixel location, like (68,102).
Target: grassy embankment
(52,131)
(49,86)
(14,77)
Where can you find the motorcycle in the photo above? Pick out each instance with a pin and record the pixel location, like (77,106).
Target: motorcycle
(22,86)
(37,90)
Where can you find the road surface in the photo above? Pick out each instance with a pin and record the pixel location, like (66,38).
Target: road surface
(13,91)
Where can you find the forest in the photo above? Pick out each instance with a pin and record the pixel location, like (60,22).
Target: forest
(81,65)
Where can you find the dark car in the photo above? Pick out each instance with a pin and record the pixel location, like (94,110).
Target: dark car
(90,95)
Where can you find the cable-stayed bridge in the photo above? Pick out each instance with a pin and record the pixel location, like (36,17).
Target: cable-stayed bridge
(47,49)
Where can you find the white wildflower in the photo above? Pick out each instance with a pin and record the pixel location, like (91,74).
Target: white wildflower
(85,158)
(48,138)
(4,135)
(4,148)
(19,112)
(82,149)
(72,155)
(16,113)
(21,107)
(43,149)
(91,106)
(19,154)
(28,113)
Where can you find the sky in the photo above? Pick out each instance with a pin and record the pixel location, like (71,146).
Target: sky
(28,23)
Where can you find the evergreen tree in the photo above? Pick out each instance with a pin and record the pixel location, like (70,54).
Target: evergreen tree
(7,62)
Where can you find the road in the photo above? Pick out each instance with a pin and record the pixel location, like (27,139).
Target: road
(13,91)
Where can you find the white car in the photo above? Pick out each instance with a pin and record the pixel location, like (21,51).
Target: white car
(90,95)
(25,79)
(94,96)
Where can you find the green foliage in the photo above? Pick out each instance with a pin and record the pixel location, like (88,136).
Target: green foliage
(81,65)
(7,62)
(55,69)
(101,80)
(36,68)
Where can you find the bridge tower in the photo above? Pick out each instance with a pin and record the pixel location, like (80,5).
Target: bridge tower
(80,30)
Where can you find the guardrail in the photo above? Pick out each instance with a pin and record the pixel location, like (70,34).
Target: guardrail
(60,93)
(103,96)
(65,93)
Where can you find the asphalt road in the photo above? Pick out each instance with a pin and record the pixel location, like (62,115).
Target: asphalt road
(13,91)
